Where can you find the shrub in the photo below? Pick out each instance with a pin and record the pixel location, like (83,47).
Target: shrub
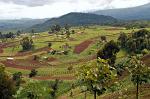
(33,73)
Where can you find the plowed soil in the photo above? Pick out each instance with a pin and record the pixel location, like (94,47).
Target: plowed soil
(82,46)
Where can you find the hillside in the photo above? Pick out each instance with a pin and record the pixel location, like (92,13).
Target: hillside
(134,13)
(51,63)
(7,25)
(75,19)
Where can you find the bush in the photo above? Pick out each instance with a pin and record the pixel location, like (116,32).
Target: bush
(7,86)
(33,73)
(145,51)
(27,44)
(109,52)
(66,52)
(17,78)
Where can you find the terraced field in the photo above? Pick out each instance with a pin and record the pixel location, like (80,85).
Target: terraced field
(83,46)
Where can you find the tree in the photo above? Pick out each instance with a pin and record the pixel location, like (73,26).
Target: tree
(1,35)
(140,73)
(138,41)
(109,52)
(54,87)
(55,28)
(67,27)
(35,57)
(67,34)
(18,33)
(49,45)
(33,73)
(17,78)
(32,31)
(7,86)
(122,40)
(96,75)
(103,38)
(73,31)
(27,44)
(32,90)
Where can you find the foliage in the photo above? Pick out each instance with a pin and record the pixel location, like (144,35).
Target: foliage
(49,45)
(7,87)
(139,41)
(103,38)
(27,44)
(122,40)
(54,87)
(55,28)
(120,67)
(109,52)
(32,90)
(17,78)
(18,33)
(138,68)
(140,73)
(7,35)
(33,73)
(145,51)
(96,75)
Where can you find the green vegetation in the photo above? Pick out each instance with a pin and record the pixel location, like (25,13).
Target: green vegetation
(49,70)
(7,87)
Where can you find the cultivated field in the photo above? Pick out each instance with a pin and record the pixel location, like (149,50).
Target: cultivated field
(82,46)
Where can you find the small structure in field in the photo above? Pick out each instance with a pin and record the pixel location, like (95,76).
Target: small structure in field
(10,59)
(66,47)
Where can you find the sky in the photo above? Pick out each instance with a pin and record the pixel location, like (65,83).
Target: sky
(38,9)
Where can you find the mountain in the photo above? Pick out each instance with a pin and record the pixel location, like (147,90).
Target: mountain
(74,19)
(9,25)
(134,13)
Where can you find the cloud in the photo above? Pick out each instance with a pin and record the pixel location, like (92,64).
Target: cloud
(31,3)
(11,9)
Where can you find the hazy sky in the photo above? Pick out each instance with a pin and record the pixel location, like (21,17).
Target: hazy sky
(14,9)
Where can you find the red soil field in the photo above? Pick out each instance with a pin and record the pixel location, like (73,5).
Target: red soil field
(32,52)
(1,50)
(82,46)
(14,65)
(51,59)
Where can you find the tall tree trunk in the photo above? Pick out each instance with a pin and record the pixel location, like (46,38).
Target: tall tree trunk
(85,95)
(137,88)
(94,94)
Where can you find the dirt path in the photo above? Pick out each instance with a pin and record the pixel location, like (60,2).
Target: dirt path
(53,78)
(26,64)
(14,65)
(32,52)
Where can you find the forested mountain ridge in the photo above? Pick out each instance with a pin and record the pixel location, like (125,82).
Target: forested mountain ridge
(75,19)
(134,13)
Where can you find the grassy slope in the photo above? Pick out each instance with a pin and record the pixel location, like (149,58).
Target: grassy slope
(59,68)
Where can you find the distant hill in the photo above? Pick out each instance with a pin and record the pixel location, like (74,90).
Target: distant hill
(74,19)
(8,25)
(135,13)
